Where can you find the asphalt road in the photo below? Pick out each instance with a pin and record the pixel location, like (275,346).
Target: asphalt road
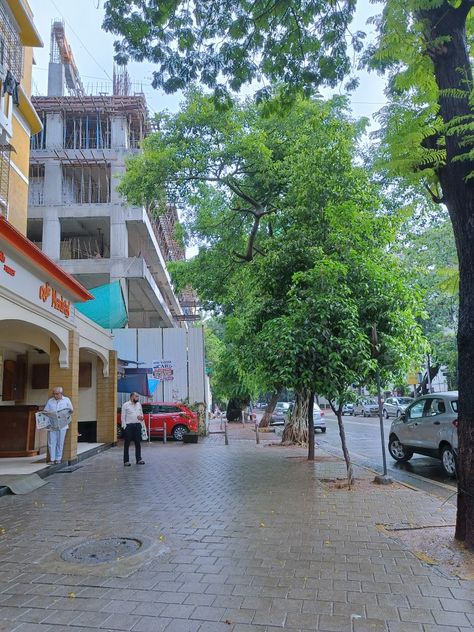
(365,447)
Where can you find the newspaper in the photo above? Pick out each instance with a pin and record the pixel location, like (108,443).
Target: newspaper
(52,420)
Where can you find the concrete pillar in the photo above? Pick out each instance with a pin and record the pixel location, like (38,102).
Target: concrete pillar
(51,239)
(55,80)
(117,169)
(69,380)
(53,183)
(107,401)
(118,132)
(54,130)
(118,233)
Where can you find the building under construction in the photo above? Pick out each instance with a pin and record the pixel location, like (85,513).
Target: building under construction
(75,212)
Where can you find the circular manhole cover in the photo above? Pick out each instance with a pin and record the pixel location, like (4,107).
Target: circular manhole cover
(99,551)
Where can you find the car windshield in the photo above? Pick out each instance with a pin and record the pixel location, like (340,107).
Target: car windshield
(371,402)
(405,400)
(454,405)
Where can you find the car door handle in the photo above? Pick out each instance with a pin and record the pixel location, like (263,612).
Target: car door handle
(436,423)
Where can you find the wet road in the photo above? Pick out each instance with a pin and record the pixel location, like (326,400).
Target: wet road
(363,439)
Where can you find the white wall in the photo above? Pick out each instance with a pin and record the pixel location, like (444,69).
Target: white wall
(185,350)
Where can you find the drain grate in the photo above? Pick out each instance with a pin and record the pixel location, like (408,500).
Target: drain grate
(100,551)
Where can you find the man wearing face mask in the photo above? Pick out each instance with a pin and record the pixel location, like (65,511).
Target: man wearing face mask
(132,417)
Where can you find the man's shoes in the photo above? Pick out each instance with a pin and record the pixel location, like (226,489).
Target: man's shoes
(127,464)
(140,462)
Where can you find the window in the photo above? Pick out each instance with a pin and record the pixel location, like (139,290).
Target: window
(416,411)
(454,406)
(168,409)
(435,407)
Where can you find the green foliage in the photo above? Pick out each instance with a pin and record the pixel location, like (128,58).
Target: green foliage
(300,44)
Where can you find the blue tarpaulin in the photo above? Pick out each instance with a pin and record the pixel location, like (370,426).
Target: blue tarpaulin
(108,307)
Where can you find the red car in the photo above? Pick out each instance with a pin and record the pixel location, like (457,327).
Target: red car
(177,418)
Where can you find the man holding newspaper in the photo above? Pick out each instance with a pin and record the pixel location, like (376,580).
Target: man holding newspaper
(59,409)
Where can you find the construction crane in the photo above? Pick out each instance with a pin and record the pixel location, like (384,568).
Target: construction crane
(61,52)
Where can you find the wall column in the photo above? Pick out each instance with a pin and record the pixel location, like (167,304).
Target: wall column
(107,401)
(69,380)
(51,239)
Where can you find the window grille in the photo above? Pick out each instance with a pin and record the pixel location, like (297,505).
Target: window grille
(11,49)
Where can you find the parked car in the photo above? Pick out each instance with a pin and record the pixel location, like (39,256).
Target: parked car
(429,427)
(366,407)
(280,417)
(177,418)
(395,406)
(348,409)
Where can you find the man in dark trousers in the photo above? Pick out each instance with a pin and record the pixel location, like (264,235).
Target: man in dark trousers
(132,417)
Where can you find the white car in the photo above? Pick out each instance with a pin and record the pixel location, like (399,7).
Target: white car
(395,406)
(283,409)
(429,426)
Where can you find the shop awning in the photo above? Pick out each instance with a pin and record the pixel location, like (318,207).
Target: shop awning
(108,309)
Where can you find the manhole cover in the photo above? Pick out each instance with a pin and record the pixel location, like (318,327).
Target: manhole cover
(99,551)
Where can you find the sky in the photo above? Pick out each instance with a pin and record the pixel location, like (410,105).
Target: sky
(93,52)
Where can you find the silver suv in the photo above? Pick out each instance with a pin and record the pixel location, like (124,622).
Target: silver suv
(429,427)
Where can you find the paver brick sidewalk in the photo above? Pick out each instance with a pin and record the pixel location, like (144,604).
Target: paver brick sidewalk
(242,538)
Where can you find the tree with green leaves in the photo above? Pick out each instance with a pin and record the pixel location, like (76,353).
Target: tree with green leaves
(425,48)
(268,194)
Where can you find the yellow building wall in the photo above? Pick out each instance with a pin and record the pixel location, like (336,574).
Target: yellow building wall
(20,156)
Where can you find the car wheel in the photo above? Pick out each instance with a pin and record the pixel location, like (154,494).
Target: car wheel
(323,430)
(448,461)
(385,413)
(399,412)
(398,451)
(178,432)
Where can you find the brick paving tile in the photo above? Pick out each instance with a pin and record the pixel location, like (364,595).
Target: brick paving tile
(177,625)
(450,618)
(120,621)
(369,625)
(117,606)
(90,619)
(273,618)
(318,563)
(334,623)
(236,615)
(151,624)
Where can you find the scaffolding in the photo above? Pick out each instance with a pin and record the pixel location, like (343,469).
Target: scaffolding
(88,119)
(36,185)
(83,247)
(164,226)
(38,141)
(86,183)
(61,53)
(90,131)
(5,152)
(11,49)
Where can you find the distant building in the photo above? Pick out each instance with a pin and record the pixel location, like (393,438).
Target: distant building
(76,215)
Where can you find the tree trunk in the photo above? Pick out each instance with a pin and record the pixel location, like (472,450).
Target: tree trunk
(345,451)
(267,415)
(311,427)
(296,429)
(453,73)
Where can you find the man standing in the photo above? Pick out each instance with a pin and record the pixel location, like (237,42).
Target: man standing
(57,432)
(132,417)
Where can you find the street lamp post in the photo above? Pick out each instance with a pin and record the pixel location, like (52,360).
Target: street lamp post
(384,479)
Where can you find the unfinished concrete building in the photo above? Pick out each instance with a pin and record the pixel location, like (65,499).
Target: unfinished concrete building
(75,213)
